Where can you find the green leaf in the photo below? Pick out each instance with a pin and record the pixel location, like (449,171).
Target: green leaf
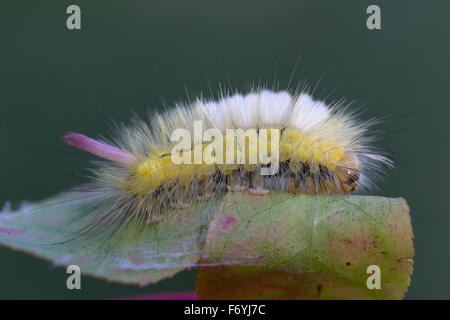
(277,246)
(129,256)
(286,246)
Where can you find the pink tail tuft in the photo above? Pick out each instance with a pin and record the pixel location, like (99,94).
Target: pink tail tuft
(100,149)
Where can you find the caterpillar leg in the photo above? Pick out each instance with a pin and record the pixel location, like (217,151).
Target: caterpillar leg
(181,199)
(207,190)
(154,219)
(234,182)
(257,184)
(292,185)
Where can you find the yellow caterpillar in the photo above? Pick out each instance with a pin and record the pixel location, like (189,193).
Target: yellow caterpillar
(320,149)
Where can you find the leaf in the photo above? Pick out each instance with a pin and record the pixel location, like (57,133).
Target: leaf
(286,246)
(159,251)
(276,247)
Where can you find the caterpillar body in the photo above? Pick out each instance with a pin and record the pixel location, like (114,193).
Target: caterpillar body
(321,149)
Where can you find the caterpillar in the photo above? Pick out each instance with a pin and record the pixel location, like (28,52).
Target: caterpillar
(320,149)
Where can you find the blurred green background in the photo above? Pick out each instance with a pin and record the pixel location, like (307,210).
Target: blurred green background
(139,55)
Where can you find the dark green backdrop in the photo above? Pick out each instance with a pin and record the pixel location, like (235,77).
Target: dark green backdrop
(136,55)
